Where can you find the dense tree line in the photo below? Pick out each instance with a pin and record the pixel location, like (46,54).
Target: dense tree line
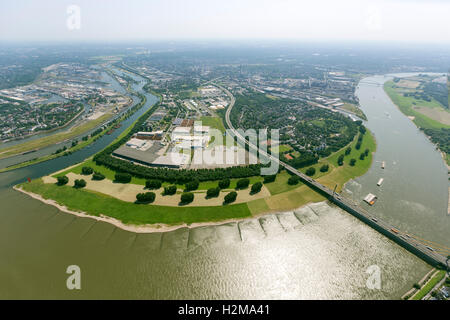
(440,137)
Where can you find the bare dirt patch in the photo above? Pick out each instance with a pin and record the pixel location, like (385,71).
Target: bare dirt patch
(127,192)
(437,114)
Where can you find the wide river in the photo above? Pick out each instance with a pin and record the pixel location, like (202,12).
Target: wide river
(318,251)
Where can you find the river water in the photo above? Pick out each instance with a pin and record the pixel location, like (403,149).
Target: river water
(316,252)
(414,194)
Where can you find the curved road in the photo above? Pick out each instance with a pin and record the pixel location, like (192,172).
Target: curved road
(403,239)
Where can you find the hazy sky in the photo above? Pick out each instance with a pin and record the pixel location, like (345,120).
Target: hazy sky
(385,20)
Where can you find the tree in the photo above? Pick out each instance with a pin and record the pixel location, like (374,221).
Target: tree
(293,180)
(271,178)
(231,197)
(340,160)
(256,187)
(187,197)
(80,183)
(87,170)
(147,197)
(213,192)
(224,183)
(324,168)
(192,185)
(122,177)
(242,183)
(310,171)
(348,150)
(62,180)
(170,190)
(362,156)
(153,184)
(352,162)
(358,146)
(98,176)
(366,152)
(416,286)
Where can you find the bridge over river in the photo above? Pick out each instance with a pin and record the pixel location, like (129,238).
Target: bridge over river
(422,250)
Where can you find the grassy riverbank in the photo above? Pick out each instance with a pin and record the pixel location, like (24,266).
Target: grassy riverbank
(53,139)
(96,204)
(280,197)
(410,106)
(430,116)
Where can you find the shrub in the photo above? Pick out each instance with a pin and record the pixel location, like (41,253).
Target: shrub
(310,171)
(80,183)
(153,184)
(147,197)
(324,168)
(224,183)
(271,178)
(348,150)
(213,192)
(352,162)
(98,176)
(293,180)
(242,183)
(62,180)
(256,187)
(122,177)
(193,185)
(87,170)
(231,197)
(187,197)
(366,152)
(170,190)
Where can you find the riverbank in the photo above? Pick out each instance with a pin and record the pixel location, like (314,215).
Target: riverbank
(429,116)
(146,228)
(82,144)
(276,196)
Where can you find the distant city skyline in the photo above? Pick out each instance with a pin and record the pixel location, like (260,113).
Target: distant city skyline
(347,20)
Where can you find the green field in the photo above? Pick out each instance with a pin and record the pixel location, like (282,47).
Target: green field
(97,204)
(280,184)
(405,104)
(213,122)
(284,148)
(429,286)
(354,109)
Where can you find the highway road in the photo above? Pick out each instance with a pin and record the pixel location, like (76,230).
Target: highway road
(424,252)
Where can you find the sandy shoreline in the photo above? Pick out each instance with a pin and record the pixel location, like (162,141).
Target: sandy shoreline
(147,228)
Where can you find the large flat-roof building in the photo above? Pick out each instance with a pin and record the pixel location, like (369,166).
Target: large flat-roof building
(152,135)
(171,160)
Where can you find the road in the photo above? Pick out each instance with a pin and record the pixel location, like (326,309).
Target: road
(403,239)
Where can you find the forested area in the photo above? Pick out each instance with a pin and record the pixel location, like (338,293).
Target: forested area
(313,132)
